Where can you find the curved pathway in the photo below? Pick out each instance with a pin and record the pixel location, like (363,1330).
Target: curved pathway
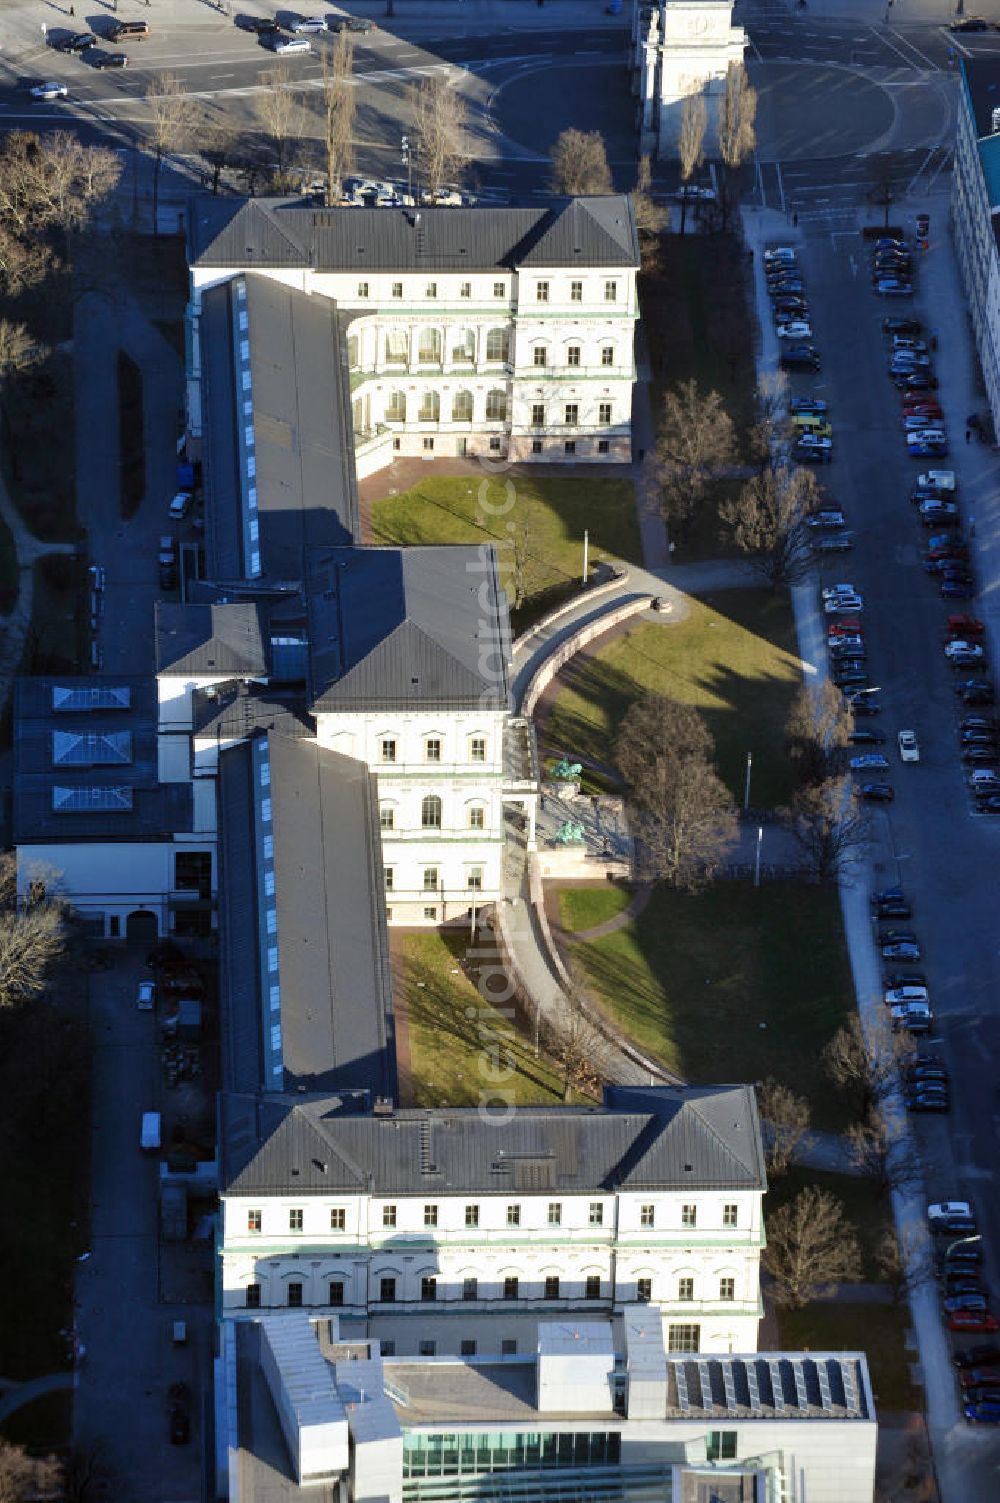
(35,1388)
(612,925)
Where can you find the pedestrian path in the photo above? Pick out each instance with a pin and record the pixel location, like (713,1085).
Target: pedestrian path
(35,1388)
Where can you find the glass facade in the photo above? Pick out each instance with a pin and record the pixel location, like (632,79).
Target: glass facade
(446,1455)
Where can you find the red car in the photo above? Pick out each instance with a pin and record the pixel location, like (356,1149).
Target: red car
(973,1320)
(964,626)
(917,402)
(980,1377)
(846,626)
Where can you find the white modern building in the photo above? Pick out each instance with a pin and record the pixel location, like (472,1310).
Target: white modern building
(504,332)
(680,47)
(975,212)
(451,1231)
(593,1409)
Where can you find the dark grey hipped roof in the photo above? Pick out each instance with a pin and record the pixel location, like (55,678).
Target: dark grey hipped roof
(328,997)
(598,232)
(273,365)
(402,628)
(667,1138)
(234,710)
(210,640)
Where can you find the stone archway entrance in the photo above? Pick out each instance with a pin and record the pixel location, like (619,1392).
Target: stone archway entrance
(141,927)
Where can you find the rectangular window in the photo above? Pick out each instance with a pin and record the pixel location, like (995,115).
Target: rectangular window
(644,1290)
(576,292)
(685,1289)
(390,877)
(336,1292)
(720,1445)
(569,447)
(592,1288)
(603,447)
(536,446)
(430,878)
(387,751)
(470,1288)
(572,414)
(428,444)
(253,1221)
(253,1296)
(555,1213)
(477,749)
(730,1215)
(538,414)
(431,913)
(388,1215)
(295,1294)
(432,749)
(647,1215)
(727,1289)
(508,1346)
(362,289)
(387,1347)
(387,1290)
(510,1286)
(514,1215)
(596,1216)
(295,1221)
(540,355)
(684,1338)
(573,355)
(552,1286)
(338,1219)
(468,1347)
(604,412)
(607,354)
(494,446)
(477,817)
(432,289)
(611,292)
(542,292)
(499,290)
(472,1215)
(465,290)
(689,1215)
(475,879)
(427,1348)
(430,1215)
(387,817)
(428,1289)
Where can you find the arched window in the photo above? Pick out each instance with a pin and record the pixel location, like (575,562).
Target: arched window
(395,408)
(397,347)
(461,407)
(463,346)
(430,812)
(496,406)
(430,407)
(429,346)
(497,344)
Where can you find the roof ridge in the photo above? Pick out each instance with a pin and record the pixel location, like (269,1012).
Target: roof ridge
(263,208)
(709,1127)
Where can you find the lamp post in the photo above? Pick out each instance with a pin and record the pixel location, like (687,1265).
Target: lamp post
(756,867)
(746,785)
(405,157)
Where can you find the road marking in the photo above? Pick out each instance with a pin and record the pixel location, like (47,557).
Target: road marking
(954,42)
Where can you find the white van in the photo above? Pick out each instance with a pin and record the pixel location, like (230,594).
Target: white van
(149,1138)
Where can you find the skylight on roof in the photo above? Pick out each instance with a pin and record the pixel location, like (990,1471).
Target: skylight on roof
(91,697)
(91,748)
(105,799)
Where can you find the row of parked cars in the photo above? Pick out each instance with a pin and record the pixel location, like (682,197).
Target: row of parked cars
(906,995)
(965,1303)
(892,267)
(790,310)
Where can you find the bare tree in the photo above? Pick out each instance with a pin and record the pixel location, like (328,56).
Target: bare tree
(172,114)
(440,132)
(24,1477)
(829,829)
(49,186)
(786,1119)
(691,142)
(866,1064)
(882,1155)
(8,881)
(697,442)
(16,347)
(339,101)
(580,164)
(905,1260)
(279,114)
(650,217)
(771,426)
(811,1247)
(30,944)
(818,729)
(767,522)
(680,809)
(736,131)
(519,559)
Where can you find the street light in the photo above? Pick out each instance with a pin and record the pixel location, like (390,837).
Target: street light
(961,1241)
(756,869)
(405,157)
(746,785)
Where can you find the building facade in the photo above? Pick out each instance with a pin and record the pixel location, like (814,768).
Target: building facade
(975,213)
(503,332)
(679,48)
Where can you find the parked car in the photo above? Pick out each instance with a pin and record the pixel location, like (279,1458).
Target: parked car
(310,24)
(867,738)
(909,747)
(964,625)
(869,762)
(833,542)
(900,949)
(940,1212)
(800,358)
(878,793)
(277,42)
(813,405)
(978,1321)
(903,325)
(893,287)
(973,1356)
(78,42)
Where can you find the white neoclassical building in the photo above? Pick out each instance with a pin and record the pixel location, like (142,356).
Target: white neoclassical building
(505,332)
(454,1231)
(680,47)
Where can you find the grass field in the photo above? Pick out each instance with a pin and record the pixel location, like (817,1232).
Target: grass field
(463,1050)
(877,1330)
(733,984)
(549,513)
(733,659)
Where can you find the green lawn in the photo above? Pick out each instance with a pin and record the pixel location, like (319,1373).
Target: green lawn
(877,1330)
(865,1207)
(733,984)
(36,412)
(550,513)
(734,660)
(584,907)
(463,1050)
